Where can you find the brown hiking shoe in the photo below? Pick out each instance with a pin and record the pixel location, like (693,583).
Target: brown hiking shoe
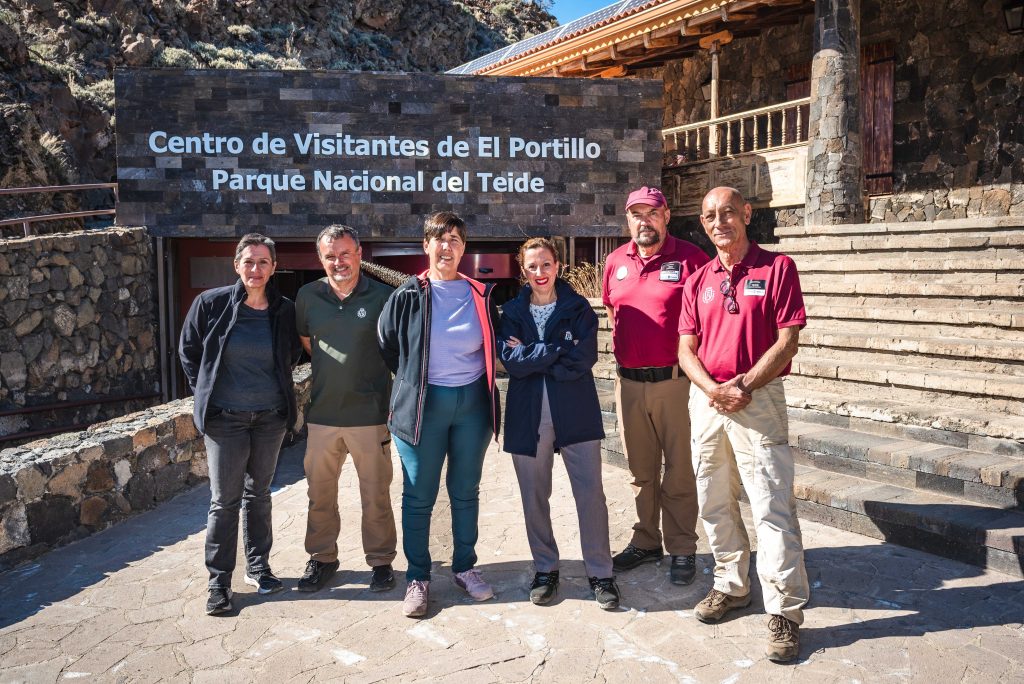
(716,604)
(783,640)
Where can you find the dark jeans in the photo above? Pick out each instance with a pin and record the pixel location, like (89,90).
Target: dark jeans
(241,450)
(456,425)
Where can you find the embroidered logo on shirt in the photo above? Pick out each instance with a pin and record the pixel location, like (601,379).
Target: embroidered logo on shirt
(755,288)
(708,296)
(361,313)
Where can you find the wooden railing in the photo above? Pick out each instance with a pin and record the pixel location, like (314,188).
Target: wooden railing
(27,221)
(756,130)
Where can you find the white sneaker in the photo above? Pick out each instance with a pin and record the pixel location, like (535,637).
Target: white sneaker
(417,595)
(474,584)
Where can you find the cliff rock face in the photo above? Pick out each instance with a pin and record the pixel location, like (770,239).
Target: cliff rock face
(57,59)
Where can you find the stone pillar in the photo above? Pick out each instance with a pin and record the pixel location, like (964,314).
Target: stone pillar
(835,178)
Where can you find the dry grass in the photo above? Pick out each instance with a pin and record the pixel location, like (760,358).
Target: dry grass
(585,279)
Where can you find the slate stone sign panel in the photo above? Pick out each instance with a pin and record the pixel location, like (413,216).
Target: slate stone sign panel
(218,153)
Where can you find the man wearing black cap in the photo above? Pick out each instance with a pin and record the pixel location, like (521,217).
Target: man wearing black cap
(643,284)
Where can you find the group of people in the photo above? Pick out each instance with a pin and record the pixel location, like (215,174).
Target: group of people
(417,364)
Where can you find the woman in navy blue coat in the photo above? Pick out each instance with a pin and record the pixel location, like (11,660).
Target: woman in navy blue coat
(548,344)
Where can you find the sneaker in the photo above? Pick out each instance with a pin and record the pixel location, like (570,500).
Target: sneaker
(317,574)
(716,604)
(606,592)
(683,569)
(264,581)
(219,601)
(383,578)
(544,586)
(632,556)
(474,584)
(417,596)
(783,640)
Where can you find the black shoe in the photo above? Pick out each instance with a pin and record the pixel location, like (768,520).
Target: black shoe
(317,574)
(264,581)
(632,556)
(606,592)
(544,586)
(683,569)
(383,578)
(219,601)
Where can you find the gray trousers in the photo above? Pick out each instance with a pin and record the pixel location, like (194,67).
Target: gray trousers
(583,465)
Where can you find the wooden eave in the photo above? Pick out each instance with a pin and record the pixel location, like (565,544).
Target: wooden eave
(666,31)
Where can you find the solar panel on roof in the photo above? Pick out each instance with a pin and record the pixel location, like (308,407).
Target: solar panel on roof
(557,33)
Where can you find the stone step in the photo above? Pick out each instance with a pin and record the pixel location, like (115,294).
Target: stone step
(907,284)
(986,316)
(991,479)
(881,369)
(1006,262)
(985,536)
(935,403)
(914,243)
(959,426)
(988,225)
(929,351)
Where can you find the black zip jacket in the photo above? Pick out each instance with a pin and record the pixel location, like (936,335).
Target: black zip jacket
(403,334)
(563,361)
(206,329)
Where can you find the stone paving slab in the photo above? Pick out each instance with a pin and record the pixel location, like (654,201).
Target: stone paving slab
(126,605)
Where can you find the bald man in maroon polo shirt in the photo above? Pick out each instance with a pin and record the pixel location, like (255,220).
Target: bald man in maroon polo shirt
(643,285)
(739,331)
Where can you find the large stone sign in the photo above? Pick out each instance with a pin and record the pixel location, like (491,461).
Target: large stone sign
(220,153)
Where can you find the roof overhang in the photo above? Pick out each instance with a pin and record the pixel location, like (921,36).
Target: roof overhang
(633,35)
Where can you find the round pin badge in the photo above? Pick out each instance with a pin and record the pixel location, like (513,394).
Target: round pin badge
(621,273)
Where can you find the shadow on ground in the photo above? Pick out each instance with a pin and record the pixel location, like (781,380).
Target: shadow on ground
(64,572)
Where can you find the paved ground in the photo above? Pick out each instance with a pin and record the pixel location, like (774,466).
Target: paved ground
(127,605)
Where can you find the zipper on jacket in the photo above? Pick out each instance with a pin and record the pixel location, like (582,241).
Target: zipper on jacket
(425,361)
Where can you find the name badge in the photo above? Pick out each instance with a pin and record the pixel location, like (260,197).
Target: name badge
(755,288)
(671,271)
(621,273)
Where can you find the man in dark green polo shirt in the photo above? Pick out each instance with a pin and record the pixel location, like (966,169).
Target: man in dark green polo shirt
(337,322)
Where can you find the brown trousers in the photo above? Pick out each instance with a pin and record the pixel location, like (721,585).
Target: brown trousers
(326,449)
(655,429)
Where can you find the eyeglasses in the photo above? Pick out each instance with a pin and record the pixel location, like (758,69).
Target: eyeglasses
(730,296)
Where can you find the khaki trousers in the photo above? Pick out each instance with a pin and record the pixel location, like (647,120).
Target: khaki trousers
(326,449)
(655,432)
(751,447)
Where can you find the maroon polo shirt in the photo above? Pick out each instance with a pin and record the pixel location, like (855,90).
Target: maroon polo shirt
(769,297)
(646,297)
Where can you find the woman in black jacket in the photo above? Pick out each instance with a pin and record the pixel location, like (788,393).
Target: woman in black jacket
(238,347)
(548,344)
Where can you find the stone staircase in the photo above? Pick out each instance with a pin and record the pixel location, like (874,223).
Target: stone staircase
(907,395)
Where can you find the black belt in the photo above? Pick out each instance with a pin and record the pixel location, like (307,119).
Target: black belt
(650,374)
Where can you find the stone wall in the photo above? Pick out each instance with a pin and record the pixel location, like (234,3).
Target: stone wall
(57,490)
(958,110)
(77,323)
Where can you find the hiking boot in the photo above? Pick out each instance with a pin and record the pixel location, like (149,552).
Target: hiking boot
(632,556)
(683,569)
(417,596)
(606,592)
(383,578)
(474,584)
(219,601)
(317,574)
(264,581)
(544,586)
(783,639)
(716,604)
